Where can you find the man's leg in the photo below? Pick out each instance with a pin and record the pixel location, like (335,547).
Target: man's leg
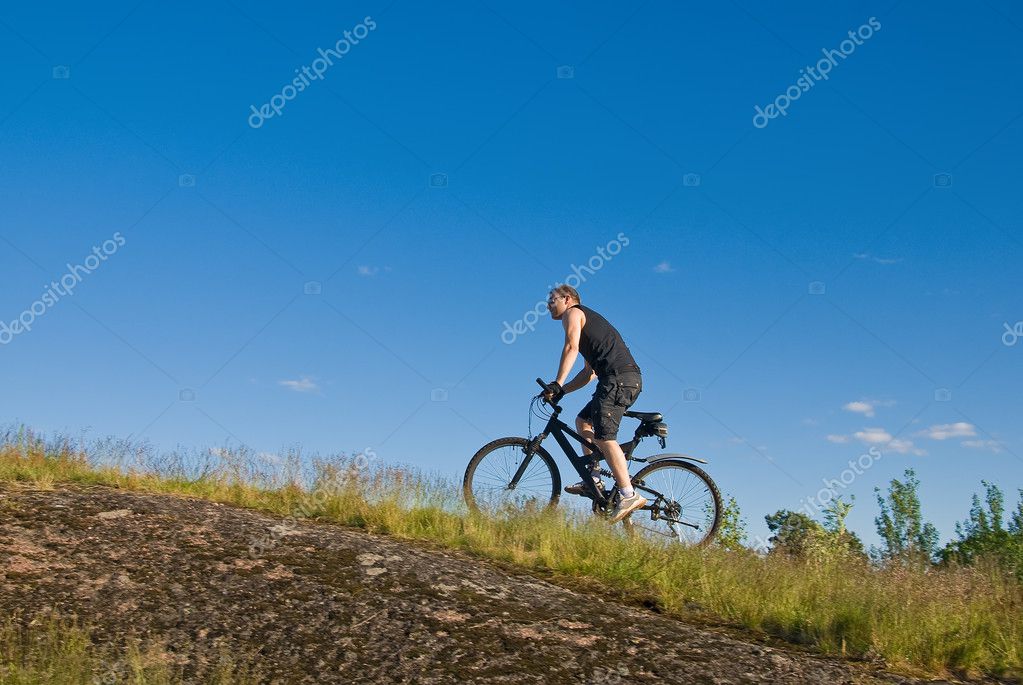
(585,429)
(612,406)
(630,500)
(612,451)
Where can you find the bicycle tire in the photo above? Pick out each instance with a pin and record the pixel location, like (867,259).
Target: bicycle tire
(472,482)
(712,492)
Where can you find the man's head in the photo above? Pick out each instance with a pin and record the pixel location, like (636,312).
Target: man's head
(560,299)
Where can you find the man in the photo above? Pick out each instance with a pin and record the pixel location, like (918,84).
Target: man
(618,384)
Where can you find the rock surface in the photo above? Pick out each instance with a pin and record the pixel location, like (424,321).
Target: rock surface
(328,604)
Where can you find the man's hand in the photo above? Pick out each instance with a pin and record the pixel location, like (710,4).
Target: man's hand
(553,392)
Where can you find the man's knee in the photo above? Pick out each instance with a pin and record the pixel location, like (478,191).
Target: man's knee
(582,425)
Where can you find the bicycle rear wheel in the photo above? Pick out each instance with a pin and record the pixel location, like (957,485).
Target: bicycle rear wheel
(685,505)
(487,485)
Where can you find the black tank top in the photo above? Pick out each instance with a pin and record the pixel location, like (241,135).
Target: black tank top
(602,346)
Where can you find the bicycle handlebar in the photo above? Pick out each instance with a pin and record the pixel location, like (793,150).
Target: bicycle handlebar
(546,387)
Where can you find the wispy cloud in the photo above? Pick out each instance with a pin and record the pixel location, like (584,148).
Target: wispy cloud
(365,270)
(944,431)
(904,447)
(879,260)
(873,436)
(990,445)
(881,437)
(269,457)
(860,407)
(303,384)
(664,268)
(838,439)
(867,407)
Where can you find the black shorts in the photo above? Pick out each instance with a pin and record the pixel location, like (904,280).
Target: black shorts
(613,396)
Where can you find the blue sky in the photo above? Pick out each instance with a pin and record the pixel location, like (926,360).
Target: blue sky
(837,279)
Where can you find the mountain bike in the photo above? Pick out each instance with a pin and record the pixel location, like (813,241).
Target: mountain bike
(517,474)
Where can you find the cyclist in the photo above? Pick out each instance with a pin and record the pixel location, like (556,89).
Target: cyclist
(618,384)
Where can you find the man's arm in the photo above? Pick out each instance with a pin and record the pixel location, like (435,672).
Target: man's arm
(573,322)
(581,379)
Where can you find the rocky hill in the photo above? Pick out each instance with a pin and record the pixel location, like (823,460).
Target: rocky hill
(327,604)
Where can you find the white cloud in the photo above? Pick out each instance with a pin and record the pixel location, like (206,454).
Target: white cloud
(860,407)
(945,431)
(992,445)
(269,457)
(886,261)
(867,407)
(873,436)
(838,439)
(303,384)
(904,447)
(367,270)
(879,436)
(664,268)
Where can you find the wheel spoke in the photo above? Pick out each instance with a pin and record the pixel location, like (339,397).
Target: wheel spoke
(488,486)
(683,507)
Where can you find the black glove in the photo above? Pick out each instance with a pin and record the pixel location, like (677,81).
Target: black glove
(554,392)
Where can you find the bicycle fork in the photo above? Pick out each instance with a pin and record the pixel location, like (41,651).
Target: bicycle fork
(529,451)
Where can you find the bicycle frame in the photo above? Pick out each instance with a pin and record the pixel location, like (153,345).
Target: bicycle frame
(662,507)
(581,462)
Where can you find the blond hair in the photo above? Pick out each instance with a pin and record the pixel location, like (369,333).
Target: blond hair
(567,291)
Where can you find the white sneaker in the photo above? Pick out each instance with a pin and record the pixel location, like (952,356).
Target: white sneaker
(580,487)
(627,505)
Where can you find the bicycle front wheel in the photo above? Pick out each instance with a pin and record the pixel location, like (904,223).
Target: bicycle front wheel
(685,505)
(488,484)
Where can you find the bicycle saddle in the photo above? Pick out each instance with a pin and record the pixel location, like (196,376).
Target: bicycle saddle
(644,416)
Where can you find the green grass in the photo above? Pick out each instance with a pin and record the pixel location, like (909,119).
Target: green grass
(51,649)
(965,621)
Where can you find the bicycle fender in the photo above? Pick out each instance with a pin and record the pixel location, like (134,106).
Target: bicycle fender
(668,457)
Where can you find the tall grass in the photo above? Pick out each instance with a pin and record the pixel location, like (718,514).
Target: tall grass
(49,649)
(967,621)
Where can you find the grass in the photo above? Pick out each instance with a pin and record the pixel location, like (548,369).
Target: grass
(52,649)
(963,621)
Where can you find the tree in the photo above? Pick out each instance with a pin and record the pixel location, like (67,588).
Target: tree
(1016,531)
(798,535)
(841,537)
(732,530)
(793,532)
(907,537)
(985,533)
